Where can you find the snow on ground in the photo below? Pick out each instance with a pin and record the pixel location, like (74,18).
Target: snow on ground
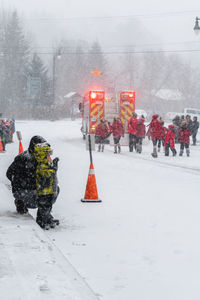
(142,241)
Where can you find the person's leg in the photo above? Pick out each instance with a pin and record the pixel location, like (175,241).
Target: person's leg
(159,145)
(187,149)
(134,141)
(181,149)
(19,201)
(167,150)
(139,145)
(154,141)
(173,151)
(118,144)
(52,220)
(99,147)
(194,139)
(130,142)
(44,211)
(115,145)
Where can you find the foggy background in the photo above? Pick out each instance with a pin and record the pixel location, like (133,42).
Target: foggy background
(146,46)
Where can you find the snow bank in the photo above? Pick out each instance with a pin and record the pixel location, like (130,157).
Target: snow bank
(32,267)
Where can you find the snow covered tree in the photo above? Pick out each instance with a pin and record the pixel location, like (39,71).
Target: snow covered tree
(38,70)
(15,54)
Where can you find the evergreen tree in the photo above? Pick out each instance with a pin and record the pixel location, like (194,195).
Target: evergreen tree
(15,52)
(38,69)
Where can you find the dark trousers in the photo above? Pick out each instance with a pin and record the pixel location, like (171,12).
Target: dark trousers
(132,142)
(167,147)
(25,199)
(116,140)
(160,142)
(184,145)
(155,142)
(45,204)
(194,139)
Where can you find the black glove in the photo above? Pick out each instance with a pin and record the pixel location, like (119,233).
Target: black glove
(55,162)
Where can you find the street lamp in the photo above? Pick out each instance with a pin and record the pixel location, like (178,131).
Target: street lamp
(196,26)
(56,55)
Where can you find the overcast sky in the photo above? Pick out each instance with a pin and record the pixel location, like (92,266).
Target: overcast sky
(171,21)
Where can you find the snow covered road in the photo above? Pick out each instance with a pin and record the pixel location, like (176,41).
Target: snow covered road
(142,242)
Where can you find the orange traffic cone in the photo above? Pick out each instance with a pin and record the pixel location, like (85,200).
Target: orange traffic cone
(91,194)
(1,146)
(20,147)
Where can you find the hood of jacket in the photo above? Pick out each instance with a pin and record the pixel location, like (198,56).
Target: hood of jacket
(34,141)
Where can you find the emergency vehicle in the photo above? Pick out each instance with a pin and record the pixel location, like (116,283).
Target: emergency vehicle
(97,105)
(92,109)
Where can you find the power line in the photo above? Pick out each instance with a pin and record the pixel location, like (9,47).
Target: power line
(115,52)
(122,46)
(150,15)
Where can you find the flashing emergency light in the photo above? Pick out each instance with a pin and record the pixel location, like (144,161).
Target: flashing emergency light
(98,95)
(93,95)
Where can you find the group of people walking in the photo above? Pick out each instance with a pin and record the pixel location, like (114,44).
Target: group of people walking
(178,132)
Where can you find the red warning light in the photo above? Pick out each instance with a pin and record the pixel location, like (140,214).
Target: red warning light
(127,96)
(97,95)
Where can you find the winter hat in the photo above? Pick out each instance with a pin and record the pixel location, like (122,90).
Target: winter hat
(34,141)
(154,117)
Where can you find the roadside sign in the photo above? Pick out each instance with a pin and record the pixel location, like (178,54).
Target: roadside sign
(33,88)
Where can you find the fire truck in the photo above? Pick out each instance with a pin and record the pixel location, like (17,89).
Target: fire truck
(127,107)
(97,105)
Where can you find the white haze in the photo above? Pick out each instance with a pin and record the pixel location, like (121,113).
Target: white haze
(164,22)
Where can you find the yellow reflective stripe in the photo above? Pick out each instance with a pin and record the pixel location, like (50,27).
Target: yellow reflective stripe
(93,105)
(97,109)
(99,114)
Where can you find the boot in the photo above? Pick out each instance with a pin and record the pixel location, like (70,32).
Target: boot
(20,207)
(181,153)
(158,149)
(188,152)
(99,147)
(102,148)
(53,221)
(130,148)
(115,149)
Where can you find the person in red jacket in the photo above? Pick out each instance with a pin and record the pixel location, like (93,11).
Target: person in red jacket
(169,140)
(155,132)
(163,135)
(118,132)
(184,138)
(101,134)
(140,134)
(132,123)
